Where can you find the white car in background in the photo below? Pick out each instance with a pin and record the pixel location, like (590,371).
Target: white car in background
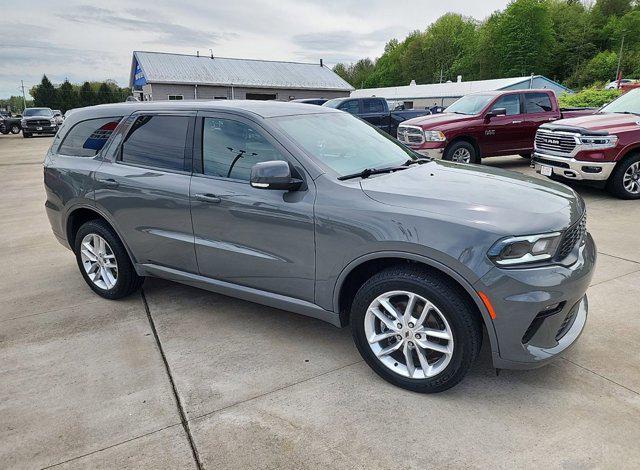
(614,84)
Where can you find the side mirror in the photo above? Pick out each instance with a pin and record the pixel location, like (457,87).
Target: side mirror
(274,175)
(496,112)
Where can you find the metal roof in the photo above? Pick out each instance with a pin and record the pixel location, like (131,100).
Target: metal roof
(158,67)
(446,90)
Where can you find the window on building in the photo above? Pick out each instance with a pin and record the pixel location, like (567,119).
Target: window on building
(372,105)
(157,141)
(350,106)
(261,96)
(537,103)
(175,97)
(231,148)
(510,102)
(87,138)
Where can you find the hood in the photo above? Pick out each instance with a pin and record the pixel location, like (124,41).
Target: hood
(501,201)
(433,121)
(36,118)
(599,123)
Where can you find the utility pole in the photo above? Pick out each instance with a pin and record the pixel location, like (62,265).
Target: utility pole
(24,99)
(618,77)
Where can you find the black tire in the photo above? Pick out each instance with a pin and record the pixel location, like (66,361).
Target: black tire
(462,144)
(615,184)
(26,135)
(15,129)
(127,281)
(448,298)
(4,130)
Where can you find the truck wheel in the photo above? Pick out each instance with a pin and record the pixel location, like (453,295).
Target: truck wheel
(461,152)
(104,262)
(4,130)
(624,182)
(415,329)
(26,135)
(15,129)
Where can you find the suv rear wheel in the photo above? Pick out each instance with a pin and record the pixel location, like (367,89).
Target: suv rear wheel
(104,262)
(461,152)
(624,182)
(415,329)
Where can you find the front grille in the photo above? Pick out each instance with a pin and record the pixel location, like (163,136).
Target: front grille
(539,319)
(410,135)
(39,123)
(556,143)
(572,236)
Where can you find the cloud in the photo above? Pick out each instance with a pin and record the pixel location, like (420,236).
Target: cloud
(134,19)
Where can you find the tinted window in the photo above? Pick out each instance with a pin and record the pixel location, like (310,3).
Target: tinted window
(37,112)
(537,102)
(350,106)
(372,106)
(87,138)
(157,141)
(470,104)
(510,102)
(231,148)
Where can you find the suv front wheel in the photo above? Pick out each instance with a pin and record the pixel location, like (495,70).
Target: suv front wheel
(104,262)
(415,329)
(461,152)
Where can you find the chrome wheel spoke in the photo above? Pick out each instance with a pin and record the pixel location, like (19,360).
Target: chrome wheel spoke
(390,308)
(408,356)
(423,315)
(382,336)
(384,319)
(424,364)
(424,344)
(442,334)
(99,261)
(389,349)
(408,311)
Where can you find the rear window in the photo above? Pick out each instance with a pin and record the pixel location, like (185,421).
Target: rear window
(87,138)
(372,106)
(157,141)
(537,103)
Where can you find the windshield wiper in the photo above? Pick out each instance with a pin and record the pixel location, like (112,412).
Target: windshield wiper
(372,171)
(627,112)
(419,161)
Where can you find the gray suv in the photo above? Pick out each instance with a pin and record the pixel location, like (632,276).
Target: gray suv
(311,210)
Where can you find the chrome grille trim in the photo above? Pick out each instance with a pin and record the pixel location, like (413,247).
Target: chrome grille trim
(410,135)
(562,144)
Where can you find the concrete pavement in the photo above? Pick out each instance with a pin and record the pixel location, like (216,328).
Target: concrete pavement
(183,378)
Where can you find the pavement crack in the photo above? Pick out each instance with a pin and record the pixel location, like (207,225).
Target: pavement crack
(181,412)
(619,257)
(614,278)
(601,376)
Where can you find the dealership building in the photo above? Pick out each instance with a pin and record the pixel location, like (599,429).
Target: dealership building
(443,94)
(161,76)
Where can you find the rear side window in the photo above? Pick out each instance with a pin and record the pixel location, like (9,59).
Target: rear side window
(231,148)
(372,106)
(537,102)
(157,141)
(87,138)
(350,106)
(510,102)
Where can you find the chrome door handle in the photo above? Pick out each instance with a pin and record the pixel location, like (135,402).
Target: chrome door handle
(208,198)
(516,122)
(109,182)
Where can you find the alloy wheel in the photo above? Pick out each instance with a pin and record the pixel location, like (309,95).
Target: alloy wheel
(408,334)
(631,178)
(99,261)
(461,155)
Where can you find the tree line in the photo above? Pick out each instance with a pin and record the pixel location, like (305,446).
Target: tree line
(572,42)
(68,96)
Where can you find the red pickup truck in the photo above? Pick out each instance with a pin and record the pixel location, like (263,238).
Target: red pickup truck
(486,124)
(603,148)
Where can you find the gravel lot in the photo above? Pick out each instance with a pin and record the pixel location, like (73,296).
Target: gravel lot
(84,383)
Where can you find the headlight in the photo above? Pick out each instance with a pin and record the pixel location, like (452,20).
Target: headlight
(527,249)
(23,123)
(598,142)
(434,136)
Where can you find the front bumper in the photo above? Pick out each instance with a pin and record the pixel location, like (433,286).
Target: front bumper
(573,169)
(540,311)
(431,153)
(40,129)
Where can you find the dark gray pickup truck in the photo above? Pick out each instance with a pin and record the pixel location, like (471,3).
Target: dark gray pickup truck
(376,111)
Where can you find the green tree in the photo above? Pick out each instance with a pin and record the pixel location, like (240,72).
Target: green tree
(44,94)
(86,95)
(601,68)
(67,97)
(104,93)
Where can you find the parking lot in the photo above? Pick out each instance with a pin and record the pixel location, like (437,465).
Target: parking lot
(91,383)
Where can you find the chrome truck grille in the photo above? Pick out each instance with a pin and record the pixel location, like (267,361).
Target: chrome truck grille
(410,135)
(556,143)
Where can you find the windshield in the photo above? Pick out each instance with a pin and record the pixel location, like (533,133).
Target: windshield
(334,103)
(470,104)
(37,112)
(627,103)
(343,142)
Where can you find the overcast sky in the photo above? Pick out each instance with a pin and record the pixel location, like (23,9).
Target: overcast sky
(93,40)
